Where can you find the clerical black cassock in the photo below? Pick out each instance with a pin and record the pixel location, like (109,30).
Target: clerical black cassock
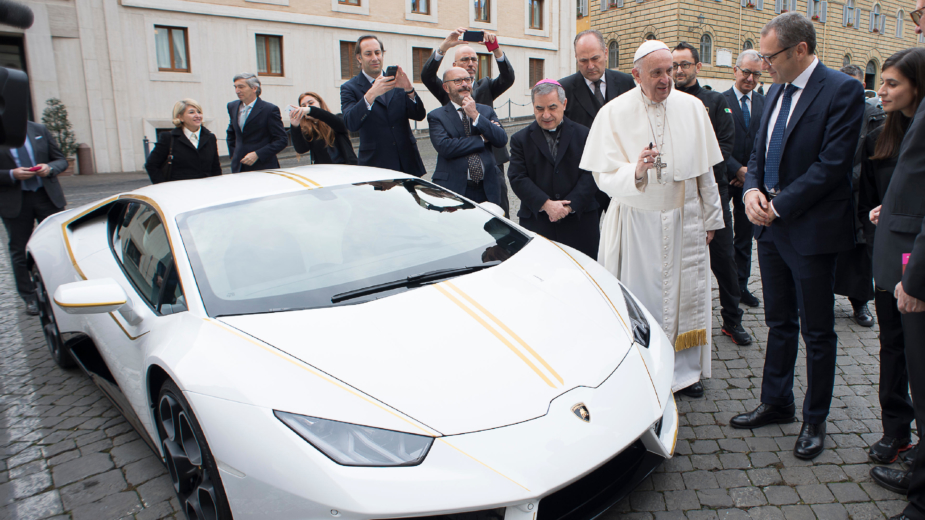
(544,166)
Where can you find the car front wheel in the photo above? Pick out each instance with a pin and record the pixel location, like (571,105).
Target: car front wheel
(49,326)
(189,460)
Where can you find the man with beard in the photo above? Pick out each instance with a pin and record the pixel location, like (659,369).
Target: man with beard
(686,64)
(463,133)
(665,207)
(484,91)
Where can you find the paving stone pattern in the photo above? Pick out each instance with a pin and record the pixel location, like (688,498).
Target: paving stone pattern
(65,452)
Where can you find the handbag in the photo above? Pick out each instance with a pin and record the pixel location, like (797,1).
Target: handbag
(165,170)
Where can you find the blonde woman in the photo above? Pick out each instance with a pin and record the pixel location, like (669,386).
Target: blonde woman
(189,151)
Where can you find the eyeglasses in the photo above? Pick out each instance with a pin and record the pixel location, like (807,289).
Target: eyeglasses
(916,15)
(769,59)
(460,81)
(467,60)
(684,65)
(747,73)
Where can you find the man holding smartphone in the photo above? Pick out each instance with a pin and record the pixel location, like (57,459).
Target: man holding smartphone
(379,107)
(484,90)
(29,193)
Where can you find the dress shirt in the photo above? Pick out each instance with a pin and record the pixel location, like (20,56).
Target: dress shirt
(800,82)
(369,106)
(191,135)
(748,100)
(472,125)
(249,107)
(15,153)
(603,85)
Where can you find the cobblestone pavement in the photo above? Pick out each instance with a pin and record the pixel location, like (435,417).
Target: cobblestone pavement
(66,453)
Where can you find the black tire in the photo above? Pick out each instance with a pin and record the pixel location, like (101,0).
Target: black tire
(192,468)
(59,352)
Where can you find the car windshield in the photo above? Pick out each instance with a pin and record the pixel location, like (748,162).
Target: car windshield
(300,250)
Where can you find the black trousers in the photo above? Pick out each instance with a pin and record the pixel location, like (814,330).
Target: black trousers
(579,231)
(502,182)
(476,193)
(914,331)
(744,233)
(36,207)
(799,294)
(722,262)
(894,378)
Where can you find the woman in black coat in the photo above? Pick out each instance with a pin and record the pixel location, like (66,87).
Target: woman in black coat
(193,147)
(316,130)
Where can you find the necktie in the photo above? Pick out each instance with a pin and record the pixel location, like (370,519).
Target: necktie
(598,95)
(32,183)
(776,147)
(475,163)
(194,138)
(243,117)
(745,113)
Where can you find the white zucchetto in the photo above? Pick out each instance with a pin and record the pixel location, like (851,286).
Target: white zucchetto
(648,47)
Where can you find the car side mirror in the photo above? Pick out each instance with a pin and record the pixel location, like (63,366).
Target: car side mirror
(91,296)
(492,208)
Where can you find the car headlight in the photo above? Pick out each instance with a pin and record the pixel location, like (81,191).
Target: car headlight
(354,445)
(638,320)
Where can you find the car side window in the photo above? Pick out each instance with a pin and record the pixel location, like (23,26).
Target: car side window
(140,243)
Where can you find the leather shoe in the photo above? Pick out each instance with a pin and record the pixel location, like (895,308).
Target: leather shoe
(896,480)
(811,441)
(738,334)
(862,316)
(909,456)
(695,390)
(32,308)
(887,449)
(764,414)
(901,516)
(749,299)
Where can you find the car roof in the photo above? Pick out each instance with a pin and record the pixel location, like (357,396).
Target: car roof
(174,198)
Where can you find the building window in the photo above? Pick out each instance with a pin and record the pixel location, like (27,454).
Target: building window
(420,6)
(582,8)
(875,19)
(536,71)
(848,16)
(748,45)
(870,75)
(846,60)
(482,10)
(172,48)
(899,23)
(484,70)
(269,55)
(355,3)
(349,67)
(650,36)
(536,14)
(419,57)
(613,55)
(706,49)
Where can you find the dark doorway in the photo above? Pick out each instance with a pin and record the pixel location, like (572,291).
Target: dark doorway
(870,76)
(13,56)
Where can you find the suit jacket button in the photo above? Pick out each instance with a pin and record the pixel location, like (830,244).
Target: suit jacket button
(558,197)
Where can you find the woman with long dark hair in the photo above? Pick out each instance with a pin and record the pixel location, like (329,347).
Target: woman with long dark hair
(903,77)
(316,130)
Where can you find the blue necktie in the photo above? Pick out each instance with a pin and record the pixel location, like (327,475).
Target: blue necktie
(745,113)
(33,183)
(776,148)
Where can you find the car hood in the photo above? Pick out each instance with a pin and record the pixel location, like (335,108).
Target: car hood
(472,353)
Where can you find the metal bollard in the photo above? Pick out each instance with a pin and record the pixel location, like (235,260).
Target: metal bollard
(147,148)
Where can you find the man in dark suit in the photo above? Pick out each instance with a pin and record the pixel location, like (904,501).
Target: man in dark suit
(379,107)
(484,91)
(29,192)
(463,133)
(747,105)
(255,128)
(798,194)
(556,196)
(899,265)
(593,85)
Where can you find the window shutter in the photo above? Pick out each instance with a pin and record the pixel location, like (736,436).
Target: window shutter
(777,6)
(619,3)
(744,2)
(883,24)
(760,5)
(809,8)
(870,24)
(604,5)
(825,11)
(857,17)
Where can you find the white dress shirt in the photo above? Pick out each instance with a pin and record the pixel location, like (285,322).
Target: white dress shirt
(192,136)
(475,122)
(249,107)
(748,100)
(603,85)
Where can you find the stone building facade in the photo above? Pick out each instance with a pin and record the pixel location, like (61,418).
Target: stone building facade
(120,65)
(861,32)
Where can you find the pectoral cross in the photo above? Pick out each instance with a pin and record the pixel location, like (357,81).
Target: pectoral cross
(658,168)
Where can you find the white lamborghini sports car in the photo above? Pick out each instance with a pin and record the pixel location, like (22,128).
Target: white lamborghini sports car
(341,342)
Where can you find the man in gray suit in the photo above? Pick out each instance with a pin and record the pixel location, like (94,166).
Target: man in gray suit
(29,193)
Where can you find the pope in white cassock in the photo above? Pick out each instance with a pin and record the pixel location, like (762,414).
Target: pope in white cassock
(652,150)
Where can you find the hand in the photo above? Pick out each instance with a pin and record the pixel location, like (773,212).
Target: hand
(710,235)
(489,37)
(43,170)
(907,304)
(758,209)
(452,40)
(739,181)
(403,82)
(646,160)
(875,215)
(468,106)
(22,174)
(382,85)
(556,209)
(249,159)
(497,124)
(297,113)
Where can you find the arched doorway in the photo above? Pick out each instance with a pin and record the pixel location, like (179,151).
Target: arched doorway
(870,76)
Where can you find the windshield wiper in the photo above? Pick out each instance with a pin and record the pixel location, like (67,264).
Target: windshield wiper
(418,279)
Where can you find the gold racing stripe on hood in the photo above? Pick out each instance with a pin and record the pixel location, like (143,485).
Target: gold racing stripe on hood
(293,179)
(443,288)
(304,177)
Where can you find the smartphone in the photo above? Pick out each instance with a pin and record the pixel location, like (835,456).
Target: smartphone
(473,36)
(289,109)
(392,71)
(35,168)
